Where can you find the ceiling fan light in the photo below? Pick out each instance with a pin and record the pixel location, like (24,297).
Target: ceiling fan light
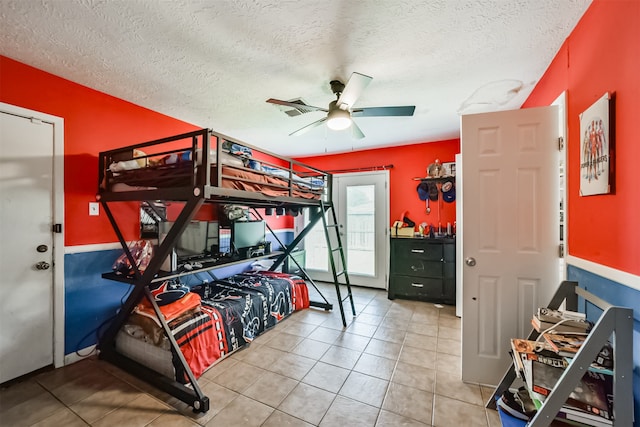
(338,119)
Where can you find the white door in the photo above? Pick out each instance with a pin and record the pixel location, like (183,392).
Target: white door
(26,252)
(361,201)
(509,230)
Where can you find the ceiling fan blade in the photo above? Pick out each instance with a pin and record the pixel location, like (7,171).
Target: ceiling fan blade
(406,110)
(296,105)
(308,127)
(356,132)
(353,89)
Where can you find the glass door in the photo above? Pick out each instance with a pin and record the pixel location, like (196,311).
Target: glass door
(362,208)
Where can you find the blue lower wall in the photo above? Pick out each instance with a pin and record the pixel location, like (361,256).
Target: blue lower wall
(91,301)
(620,295)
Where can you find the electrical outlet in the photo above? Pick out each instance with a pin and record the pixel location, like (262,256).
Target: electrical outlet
(94,208)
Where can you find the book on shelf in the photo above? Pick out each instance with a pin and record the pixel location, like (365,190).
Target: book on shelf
(560,321)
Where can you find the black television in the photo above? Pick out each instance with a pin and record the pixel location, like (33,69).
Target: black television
(199,239)
(246,234)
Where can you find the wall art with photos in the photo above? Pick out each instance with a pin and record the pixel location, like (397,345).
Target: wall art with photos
(595,148)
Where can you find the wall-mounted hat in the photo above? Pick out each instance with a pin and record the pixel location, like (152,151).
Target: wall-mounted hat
(448,191)
(433,192)
(423,191)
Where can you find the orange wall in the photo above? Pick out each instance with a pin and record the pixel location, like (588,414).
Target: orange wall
(601,55)
(93,122)
(408,161)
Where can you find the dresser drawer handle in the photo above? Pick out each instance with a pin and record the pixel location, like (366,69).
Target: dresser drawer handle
(417,285)
(417,251)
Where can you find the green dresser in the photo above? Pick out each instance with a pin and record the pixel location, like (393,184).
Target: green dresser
(423,269)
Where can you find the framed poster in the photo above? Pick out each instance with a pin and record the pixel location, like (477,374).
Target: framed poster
(595,147)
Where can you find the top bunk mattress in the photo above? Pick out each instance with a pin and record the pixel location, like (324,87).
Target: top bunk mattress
(176,162)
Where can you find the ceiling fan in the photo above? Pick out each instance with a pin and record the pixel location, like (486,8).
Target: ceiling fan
(340,112)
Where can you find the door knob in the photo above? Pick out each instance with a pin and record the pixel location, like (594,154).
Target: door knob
(470,261)
(42,265)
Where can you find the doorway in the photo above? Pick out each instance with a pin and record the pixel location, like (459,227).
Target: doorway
(361,201)
(31,253)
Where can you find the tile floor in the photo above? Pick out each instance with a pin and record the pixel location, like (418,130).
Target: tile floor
(396,364)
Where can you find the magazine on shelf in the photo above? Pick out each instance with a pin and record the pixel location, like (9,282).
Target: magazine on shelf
(565,344)
(593,394)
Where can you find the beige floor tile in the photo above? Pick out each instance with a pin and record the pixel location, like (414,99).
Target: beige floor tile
(389,419)
(395,323)
(422,328)
(284,341)
(391,335)
(352,341)
(292,366)
(335,322)
(16,393)
(418,357)
(263,356)
(365,389)
(31,411)
(300,329)
(363,329)
(340,356)
(414,376)
(280,419)
(271,389)
(450,321)
(449,333)
(58,377)
(449,363)
(137,413)
(385,349)
(369,319)
(219,398)
(449,346)
(219,368)
(312,316)
(493,418)
(311,348)
(422,341)
(62,417)
(307,403)
(242,412)
(327,377)
(324,334)
(375,366)
(486,392)
(239,376)
(172,419)
(84,386)
(450,385)
(347,412)
(376,310)
(102,402)
(410,402)
(450,412)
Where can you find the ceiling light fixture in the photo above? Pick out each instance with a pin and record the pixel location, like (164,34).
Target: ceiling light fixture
(337,118)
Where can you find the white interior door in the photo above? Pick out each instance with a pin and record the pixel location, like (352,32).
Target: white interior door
(26,252)
(361,201)
(509,230)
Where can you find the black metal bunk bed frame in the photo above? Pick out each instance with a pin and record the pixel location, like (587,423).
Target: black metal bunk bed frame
(194,196)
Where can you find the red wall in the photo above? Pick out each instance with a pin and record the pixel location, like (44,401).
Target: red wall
(409,161)
(93,122)
(601,55)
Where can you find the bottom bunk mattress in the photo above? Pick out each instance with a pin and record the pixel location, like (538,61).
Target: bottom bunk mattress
(210,322)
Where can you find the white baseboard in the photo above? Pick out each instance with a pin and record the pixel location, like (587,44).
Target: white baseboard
(79,355)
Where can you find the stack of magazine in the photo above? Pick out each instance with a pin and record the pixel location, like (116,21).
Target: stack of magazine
(541,363)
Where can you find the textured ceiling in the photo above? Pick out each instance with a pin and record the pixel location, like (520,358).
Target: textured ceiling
(213,63)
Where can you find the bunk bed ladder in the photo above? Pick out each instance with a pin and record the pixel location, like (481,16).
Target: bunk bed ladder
(333,225)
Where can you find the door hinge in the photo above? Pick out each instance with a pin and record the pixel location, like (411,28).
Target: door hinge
(560,143)
(561,250)
(56,228)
